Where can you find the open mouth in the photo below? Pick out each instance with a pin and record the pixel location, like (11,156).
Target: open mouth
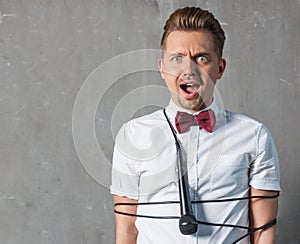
(190,88)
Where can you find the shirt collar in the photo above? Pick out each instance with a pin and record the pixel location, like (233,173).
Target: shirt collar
(172,108)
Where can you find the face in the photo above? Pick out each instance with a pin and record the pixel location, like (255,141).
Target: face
(190,68)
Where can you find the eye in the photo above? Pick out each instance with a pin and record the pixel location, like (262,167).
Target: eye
(202,59)
(176,59)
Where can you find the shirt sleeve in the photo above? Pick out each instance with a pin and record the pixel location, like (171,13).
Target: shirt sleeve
(264,168)
(125,179)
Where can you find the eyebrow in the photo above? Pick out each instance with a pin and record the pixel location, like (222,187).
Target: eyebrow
(201,54)
(175,53)
(184,54)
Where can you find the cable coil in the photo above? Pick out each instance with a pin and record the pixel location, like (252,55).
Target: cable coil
(199,222)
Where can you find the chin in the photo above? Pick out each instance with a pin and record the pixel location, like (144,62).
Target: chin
(191,105)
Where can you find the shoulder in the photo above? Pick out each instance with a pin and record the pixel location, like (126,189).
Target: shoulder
(146,121)
(142,136)
(241,118)
(242,123)
(156,115)
(143,127)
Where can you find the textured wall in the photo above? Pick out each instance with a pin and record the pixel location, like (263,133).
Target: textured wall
(48,49)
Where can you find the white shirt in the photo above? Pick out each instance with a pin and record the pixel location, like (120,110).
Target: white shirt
(239,153)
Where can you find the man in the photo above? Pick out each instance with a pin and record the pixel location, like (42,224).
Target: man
(229,156)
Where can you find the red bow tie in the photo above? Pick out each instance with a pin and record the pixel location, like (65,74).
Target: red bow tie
(205,120)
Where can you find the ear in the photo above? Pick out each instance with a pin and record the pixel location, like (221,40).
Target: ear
(160,67)
(222,66)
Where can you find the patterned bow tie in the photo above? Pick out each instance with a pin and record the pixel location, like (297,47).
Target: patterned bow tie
(205,120)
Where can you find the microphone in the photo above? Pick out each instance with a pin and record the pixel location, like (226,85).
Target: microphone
(187,222)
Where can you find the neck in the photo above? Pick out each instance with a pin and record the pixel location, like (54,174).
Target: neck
(195,109)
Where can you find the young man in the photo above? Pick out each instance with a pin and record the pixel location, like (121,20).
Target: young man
(228,155)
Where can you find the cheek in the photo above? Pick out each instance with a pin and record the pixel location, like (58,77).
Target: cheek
(170,80)
(171,70)
(210,75)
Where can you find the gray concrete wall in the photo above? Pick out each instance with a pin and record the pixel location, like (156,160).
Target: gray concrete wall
(51,192)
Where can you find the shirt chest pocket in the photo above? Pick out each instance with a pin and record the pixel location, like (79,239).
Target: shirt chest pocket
(230,176)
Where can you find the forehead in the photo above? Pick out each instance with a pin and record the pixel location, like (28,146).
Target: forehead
(190,42)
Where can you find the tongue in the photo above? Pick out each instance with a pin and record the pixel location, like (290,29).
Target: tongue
(190,89)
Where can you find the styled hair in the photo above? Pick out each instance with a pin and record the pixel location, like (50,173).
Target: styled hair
(195,19)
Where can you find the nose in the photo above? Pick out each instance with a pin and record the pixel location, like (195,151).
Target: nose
(189,68)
